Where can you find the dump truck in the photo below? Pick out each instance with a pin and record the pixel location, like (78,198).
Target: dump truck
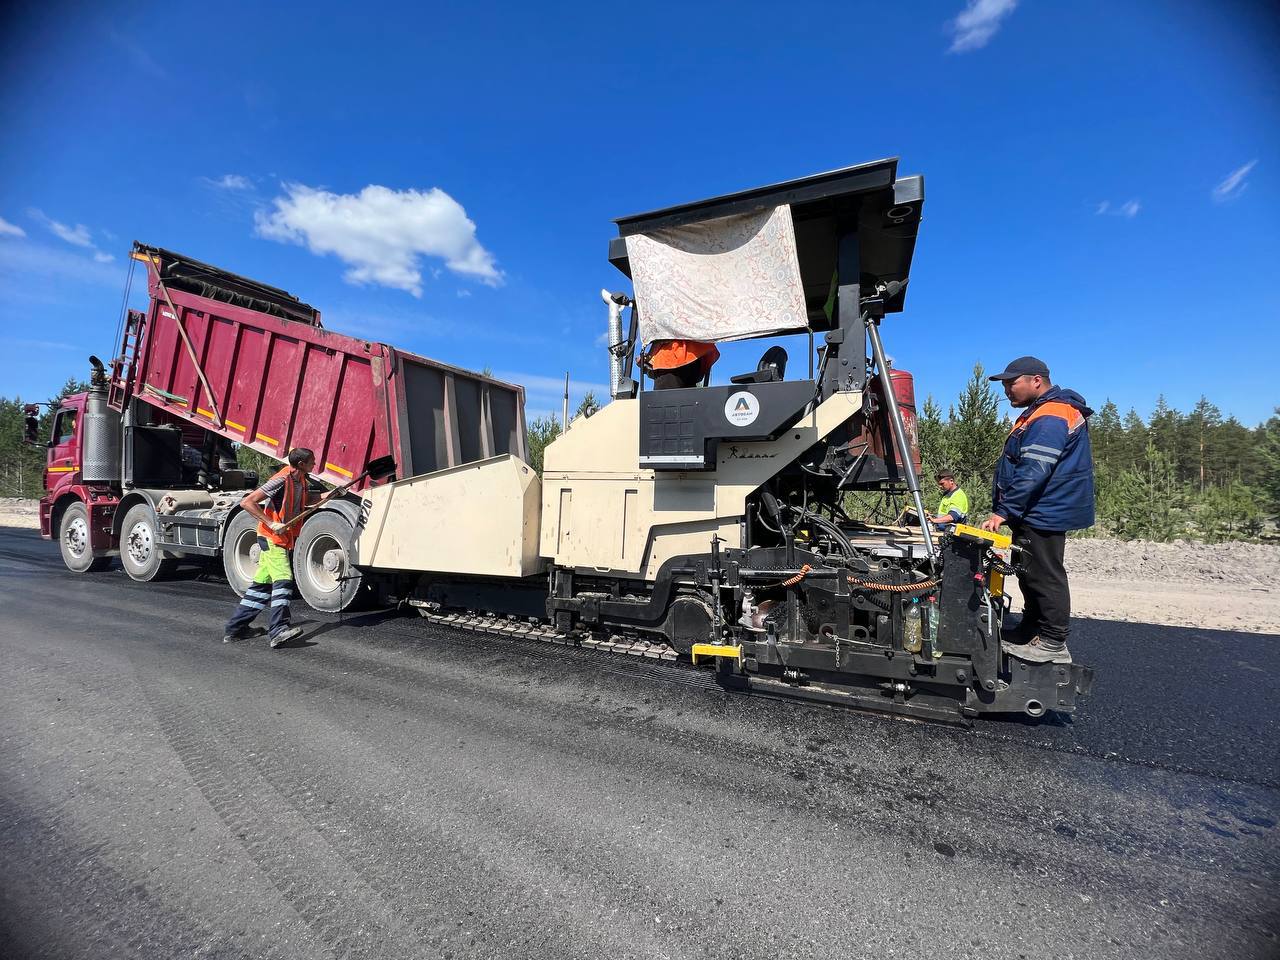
(696,524)
(143,465)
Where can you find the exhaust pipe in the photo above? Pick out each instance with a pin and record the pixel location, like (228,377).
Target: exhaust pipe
(616,302)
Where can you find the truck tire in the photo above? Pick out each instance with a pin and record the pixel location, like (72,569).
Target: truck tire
(141,555)
(74,541)
(322,569)
(240,552)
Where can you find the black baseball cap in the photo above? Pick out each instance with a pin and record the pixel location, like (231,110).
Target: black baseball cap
(1023,367)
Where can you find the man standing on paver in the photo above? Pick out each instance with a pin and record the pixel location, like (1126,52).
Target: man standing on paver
(1043,487)
(274,505)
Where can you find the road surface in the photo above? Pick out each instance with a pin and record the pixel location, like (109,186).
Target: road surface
(389,790)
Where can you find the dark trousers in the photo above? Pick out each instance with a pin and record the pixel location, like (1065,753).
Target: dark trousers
(256,599)
(1046,597)
(690,375)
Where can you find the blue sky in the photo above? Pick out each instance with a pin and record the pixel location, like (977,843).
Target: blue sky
(1103,180)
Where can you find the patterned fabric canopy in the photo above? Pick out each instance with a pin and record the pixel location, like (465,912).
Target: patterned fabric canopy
(725,279)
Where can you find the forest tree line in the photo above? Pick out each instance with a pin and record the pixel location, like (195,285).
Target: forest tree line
(1194,474)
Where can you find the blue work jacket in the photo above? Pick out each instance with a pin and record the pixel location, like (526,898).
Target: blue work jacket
(1045,475)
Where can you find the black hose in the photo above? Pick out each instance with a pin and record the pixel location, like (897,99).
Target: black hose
(825,525)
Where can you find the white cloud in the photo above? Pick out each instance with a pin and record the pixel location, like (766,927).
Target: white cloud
(537,383)
(1234,184)
(229,181)
(35,266)
(77,236)
(1129,209)
(380,233)
(463,293)
(978,23)
(8,229)
(41,344)
(545,395)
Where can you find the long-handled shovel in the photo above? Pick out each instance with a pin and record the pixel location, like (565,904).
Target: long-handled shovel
(376,469)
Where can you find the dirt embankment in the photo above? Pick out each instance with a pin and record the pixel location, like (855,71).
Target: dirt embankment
(15,512)
(1218,586)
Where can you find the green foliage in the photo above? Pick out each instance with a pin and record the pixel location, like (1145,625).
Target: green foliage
(974,436)
(1146,503)
(1177,475)
(22,464)
(588,406)
(1229,512)
(249,459)
(540,433)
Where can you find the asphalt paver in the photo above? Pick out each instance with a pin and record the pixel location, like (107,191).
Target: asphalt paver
(384,788)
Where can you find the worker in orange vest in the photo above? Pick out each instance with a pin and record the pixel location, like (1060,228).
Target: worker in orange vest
(274,505)
(679,363)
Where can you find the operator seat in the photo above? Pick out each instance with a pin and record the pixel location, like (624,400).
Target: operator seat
(771,368)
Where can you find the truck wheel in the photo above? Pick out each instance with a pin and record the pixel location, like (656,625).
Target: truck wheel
(240,552)
(74,541)
(140,552)
(322,567)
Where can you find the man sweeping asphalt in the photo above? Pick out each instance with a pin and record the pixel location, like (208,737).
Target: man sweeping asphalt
(1043,487)
(275,505)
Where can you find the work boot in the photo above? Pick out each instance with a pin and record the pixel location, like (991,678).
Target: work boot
(1035,651)
(1014,637)
(285,635)
(244,633)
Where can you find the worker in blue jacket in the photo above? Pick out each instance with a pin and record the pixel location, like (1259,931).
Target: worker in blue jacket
(1043,488)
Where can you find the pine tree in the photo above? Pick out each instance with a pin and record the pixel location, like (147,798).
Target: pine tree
(1147,501)
(1106,434)
(1236,453)
(975,435)
(1133,444)
(21,464)
(588,406)
(1162,430)
(931,432)
(1271,461)
(541,432)
(1197,433)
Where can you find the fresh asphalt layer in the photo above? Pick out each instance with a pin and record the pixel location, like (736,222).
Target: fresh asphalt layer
(385,789)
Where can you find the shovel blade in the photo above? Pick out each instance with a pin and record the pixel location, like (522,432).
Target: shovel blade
(380,468)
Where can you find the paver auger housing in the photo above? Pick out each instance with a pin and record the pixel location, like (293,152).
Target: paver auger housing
(708,522)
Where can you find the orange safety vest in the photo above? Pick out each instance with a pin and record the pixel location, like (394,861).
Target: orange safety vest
(289,508)
(671,354)
(1050,408)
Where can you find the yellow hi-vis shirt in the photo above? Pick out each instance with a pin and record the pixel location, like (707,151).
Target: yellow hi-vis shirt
(956,500)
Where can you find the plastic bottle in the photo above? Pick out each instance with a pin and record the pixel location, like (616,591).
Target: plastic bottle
(912,637)
(931,615)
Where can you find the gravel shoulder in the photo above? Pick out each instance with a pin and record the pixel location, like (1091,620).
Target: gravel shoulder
(1215,586)
(15,512)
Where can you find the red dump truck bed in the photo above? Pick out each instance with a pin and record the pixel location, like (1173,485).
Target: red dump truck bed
(274,383)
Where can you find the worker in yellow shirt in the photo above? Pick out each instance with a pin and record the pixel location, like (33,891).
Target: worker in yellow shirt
(954,506)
